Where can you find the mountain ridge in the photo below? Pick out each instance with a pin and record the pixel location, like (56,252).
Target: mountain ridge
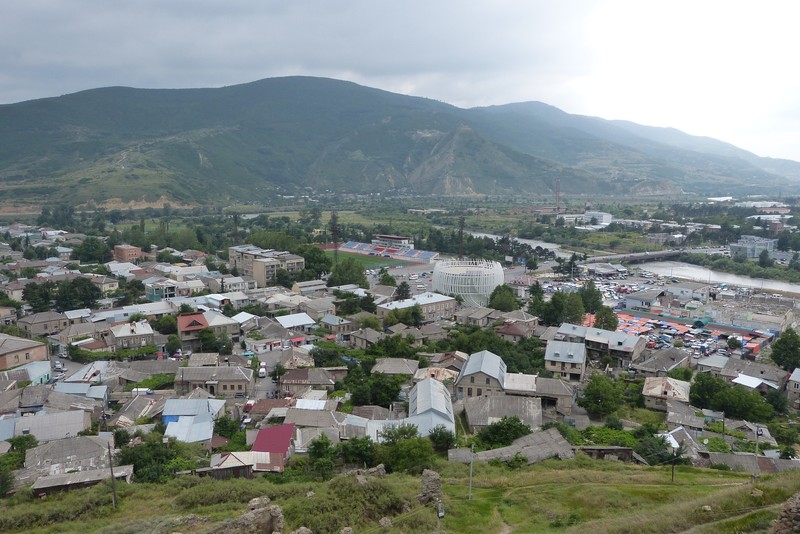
(283,135)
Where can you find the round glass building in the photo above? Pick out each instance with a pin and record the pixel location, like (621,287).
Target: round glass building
(473,280)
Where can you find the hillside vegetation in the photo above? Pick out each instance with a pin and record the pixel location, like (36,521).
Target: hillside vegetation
(298,134)
(575,496)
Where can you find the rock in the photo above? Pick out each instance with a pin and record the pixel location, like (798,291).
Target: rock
(706,508)
(756,493)
(361,479)
(258,502)
(346,530)
(385,523)
(302,530)
(269,519)
(431,487)
(310,494)
(789,520)
(378,471)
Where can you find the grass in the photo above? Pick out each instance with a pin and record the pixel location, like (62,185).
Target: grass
(572,496)
(641,415)
(368,262)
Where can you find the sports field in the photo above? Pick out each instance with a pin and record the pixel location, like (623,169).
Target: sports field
(369,262)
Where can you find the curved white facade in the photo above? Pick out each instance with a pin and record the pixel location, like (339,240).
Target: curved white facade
(474,280)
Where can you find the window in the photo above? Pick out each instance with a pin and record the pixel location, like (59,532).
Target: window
(469,392)
(224,387)
(27,355)
(487,381)
(472,380)
(480,392)
(239,387)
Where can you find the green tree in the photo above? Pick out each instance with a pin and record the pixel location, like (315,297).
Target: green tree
(536,303)
(591,297)
(359,451)
(503,432)
(764,260)
(442,438)
(393,434)
(408,455)
(704,388)
(403,291)
(386,279)
(208,340)
(348,271)
(317,263)
(606,319)
(502,299)
(601,396)
(734,343)
(573,309)
(786,350)
(681,373)
(173,344)
(654,449)
(740,403)
(92,250)
(39,296)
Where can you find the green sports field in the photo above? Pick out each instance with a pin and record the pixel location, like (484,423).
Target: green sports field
(369,262)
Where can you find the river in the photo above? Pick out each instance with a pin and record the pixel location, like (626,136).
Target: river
(702,274)
(555,248)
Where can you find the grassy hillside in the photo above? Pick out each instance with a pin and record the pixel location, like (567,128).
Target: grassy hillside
(575,496)
(284,135)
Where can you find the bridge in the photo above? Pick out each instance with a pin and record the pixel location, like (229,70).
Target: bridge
(634,257)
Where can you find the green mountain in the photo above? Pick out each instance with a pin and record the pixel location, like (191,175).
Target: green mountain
(285,135)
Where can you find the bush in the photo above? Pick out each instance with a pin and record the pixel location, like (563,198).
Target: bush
(503,432)
(442,438)
(210,492)
(345,502)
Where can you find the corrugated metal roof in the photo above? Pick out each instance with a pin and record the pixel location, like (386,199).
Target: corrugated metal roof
(485,362)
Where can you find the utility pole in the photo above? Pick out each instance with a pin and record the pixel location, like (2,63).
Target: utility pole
(759,433)
(471,459)
(113,479)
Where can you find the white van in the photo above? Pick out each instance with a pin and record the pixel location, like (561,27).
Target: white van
(421,287)
(262,372)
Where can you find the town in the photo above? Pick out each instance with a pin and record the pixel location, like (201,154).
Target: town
(307,360)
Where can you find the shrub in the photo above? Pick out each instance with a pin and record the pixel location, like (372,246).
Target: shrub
(211,492)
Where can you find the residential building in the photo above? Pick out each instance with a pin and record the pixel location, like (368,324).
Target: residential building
(278,441)
(15,351)
(750,246)
(623,349)
(42,324)
(225,381)
(643,300)
(658,390)
(127,253)
(131,335)
(296,381)
(433,305)
(566,360)
(263,264)
(483,374)
(483,411)
(793,389)
(662,362)
(395,366)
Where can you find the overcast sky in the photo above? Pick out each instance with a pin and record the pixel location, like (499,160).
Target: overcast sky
(726,69)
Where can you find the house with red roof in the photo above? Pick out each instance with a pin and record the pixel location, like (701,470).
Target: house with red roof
(189,327)
(278,441)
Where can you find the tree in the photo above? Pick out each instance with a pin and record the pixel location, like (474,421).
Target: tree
(442,438)
(536,303)
(740,403)
(786,350)
(573,309)
(654,449)
(503,432)
(502,299)
(386,279)
(92,250)
(704,388)
(681,373)
(360,451)
(208,340)
(348,271)
(734,343)
(764,260)
(601,397)
(403,291)
(173,344)
(606,319)
(591,297)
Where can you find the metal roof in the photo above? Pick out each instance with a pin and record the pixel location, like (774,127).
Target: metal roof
(485,362)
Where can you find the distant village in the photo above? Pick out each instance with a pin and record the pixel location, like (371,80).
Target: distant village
(72,378)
